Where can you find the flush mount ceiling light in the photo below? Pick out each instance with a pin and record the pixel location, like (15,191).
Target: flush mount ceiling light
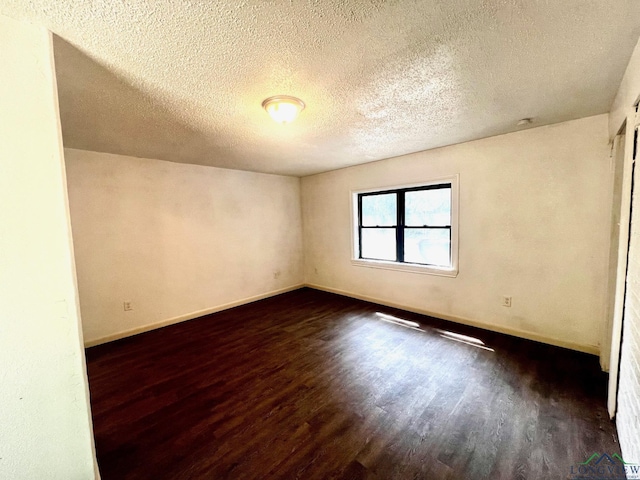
(283,108)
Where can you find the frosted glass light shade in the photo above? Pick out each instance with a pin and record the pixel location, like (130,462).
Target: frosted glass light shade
(282,108)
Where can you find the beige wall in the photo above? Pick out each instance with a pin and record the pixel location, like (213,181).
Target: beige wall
(176,240)
(45,423)
(534,225)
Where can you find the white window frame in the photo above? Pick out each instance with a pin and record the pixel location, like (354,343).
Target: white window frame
(451,271)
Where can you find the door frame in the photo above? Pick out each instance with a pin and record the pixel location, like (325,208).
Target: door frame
(631,120)
(617,165)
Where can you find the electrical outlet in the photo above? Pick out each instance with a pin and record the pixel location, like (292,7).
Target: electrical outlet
(506,301)
(127,306)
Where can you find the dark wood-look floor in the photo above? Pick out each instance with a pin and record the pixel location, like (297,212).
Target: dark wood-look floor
(312,385)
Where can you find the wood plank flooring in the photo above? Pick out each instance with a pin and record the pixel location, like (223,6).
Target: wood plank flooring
(311,385)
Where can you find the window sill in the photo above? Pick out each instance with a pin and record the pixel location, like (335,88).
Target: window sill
(405,267)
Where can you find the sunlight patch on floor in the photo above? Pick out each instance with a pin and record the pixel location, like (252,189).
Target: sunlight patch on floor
(456,337)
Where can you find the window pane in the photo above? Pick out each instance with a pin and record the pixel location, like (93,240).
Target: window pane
(379,210)
(428,207)
(427,246)
(379,243)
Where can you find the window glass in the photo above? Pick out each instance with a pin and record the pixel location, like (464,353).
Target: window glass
(379,243)
(379,210)
(428,207)
(430,246)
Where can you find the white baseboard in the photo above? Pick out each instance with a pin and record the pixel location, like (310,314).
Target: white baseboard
(188,316)
(592,349)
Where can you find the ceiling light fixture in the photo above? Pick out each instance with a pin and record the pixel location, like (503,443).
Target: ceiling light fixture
(283,108)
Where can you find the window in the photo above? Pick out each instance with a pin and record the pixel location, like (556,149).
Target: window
(410,228)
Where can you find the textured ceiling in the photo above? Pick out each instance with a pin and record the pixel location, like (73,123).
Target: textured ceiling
(183,81)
